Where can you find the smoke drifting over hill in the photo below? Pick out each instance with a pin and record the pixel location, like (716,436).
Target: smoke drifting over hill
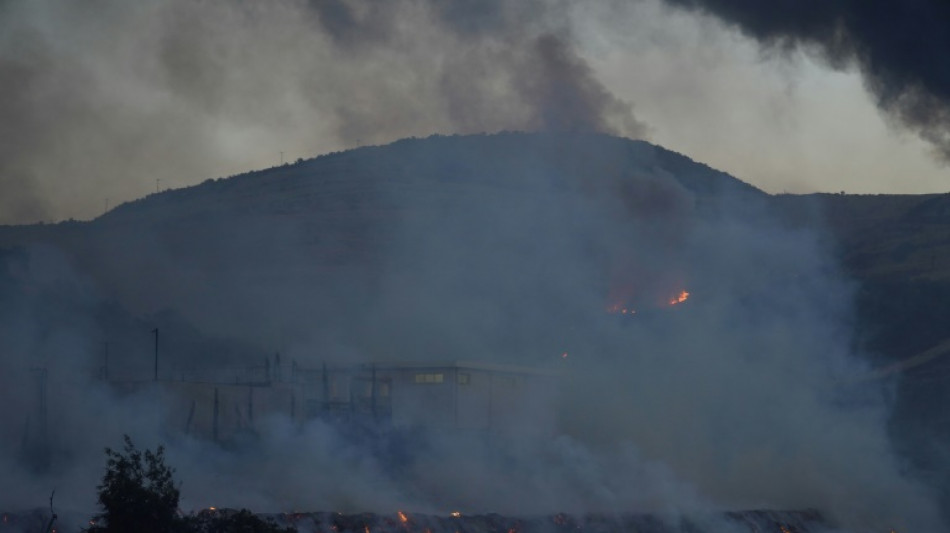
(507,249)
(93,95)
(99,105)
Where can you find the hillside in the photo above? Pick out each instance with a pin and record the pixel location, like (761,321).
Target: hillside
(727,316)
(331,227)
(360,210)
(330,230)
(882,236)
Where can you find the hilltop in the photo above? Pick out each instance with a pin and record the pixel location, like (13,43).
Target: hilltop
(333,228)
(334,224)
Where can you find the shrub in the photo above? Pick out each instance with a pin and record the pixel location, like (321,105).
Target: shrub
(138,494)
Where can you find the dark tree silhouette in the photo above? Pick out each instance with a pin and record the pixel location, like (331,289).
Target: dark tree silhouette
(137,493)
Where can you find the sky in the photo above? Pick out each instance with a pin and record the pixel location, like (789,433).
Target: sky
(109,101)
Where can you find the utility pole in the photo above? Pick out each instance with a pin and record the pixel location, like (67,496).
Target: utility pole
(158,181)
(282,158)
(155,331)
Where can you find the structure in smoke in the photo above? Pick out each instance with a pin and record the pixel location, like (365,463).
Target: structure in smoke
(898,47)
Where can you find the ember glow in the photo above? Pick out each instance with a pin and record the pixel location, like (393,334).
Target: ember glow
(402,517)
(679,298)
(619,309)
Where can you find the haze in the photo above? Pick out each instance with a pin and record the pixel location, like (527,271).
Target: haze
(109,101)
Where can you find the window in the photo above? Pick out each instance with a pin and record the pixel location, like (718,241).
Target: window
(464,378)
(430,378)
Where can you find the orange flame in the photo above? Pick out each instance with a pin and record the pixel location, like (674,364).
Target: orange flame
(402,517)
(679,298)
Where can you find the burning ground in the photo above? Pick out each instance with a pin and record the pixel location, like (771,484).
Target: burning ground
(722,391)
(749,521)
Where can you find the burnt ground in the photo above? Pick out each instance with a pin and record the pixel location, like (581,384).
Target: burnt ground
(327,522)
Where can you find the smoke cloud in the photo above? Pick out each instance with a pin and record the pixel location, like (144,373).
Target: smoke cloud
(102,105)
(507,249)
(895,46)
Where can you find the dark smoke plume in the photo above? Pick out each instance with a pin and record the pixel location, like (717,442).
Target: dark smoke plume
(899,47)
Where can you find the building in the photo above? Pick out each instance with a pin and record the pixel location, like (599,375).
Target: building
(457,396)
(472,396)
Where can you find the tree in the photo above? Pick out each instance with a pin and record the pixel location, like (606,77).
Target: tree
(137,493)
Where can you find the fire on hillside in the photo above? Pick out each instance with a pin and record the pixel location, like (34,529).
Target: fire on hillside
(622,307)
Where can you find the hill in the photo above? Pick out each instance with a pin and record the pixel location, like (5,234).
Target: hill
(329,229)
(362,209)
(651,280)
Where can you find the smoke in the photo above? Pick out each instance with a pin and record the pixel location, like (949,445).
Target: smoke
(506,249)
(895,46)
(103,105)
